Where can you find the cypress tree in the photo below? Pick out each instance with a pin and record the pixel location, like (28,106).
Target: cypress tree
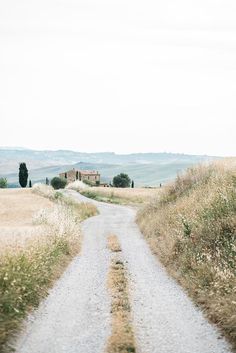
(132,184)
(23,175)
(30,184)
(47,181)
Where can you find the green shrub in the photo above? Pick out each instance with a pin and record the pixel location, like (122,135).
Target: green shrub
(58,196)
(121,181)
(90,194)
(3,183)
(58,183)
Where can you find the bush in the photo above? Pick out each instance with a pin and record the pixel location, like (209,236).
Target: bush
(58,183)
(89,194)
(121,181)
(3,183)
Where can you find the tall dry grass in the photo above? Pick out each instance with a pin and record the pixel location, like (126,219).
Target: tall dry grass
(83,209)
(77,186)
(192,229)
(29,269)
(114,195)
(123,196)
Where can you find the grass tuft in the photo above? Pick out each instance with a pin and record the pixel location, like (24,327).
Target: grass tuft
(25,277)
(113,243)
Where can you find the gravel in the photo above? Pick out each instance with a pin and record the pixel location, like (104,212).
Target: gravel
(76,315)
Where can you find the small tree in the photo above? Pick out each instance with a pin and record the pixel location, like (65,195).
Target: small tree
(58,183)
(121,181)
(132,184)
(30,184)
(47,181)
(23,175)
(3,183)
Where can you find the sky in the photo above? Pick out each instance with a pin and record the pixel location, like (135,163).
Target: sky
(123,76)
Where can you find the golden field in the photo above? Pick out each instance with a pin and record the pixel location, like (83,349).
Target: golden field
(18,207)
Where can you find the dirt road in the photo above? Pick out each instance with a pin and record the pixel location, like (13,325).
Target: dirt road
(76,315)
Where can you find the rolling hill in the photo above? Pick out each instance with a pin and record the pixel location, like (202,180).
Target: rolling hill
(147,169)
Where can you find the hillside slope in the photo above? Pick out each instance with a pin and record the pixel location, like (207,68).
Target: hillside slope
(143,174)
(10,158)
(192,229)
(147,169)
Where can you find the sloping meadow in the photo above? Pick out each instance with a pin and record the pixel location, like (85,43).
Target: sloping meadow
(28,270)
(192,229)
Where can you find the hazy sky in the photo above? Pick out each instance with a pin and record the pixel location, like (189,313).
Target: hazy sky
(119,75)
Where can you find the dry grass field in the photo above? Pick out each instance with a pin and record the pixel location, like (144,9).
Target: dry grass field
(192,229)
(129,194)
(38,237)
(125,196)
(18,207)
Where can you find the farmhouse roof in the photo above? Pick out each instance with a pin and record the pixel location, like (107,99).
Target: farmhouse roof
(91,172)
(84,172)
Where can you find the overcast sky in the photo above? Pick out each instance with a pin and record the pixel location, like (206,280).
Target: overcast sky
(119,75)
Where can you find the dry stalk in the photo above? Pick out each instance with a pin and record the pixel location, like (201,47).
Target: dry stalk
(113,243)
(122,336)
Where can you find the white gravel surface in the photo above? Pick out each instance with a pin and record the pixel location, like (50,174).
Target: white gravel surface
(76,315)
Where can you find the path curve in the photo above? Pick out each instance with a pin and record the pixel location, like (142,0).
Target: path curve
(75,318)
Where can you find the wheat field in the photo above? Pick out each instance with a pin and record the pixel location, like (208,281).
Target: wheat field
(18,208)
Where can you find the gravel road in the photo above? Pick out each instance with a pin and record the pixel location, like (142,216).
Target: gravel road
(75,318)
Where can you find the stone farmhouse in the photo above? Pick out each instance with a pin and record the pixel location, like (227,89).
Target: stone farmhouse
(91,176)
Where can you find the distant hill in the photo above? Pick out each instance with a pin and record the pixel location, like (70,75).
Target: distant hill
(147,169)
